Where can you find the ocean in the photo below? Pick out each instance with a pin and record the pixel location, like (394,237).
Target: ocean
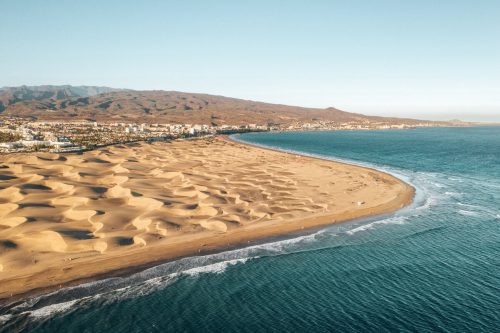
(431,267)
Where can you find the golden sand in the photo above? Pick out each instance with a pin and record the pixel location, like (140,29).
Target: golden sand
(64,218)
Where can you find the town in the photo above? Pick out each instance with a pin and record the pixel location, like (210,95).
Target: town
(22,135)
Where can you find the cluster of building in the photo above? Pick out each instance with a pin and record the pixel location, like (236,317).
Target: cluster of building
(364,125)
(18,135)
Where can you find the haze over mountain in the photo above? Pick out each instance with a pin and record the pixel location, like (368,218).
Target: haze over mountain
(108,104)
(26,93)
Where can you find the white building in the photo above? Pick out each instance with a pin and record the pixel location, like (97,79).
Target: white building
(10,145)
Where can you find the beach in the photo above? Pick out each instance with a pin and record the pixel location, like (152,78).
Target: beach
(67,218)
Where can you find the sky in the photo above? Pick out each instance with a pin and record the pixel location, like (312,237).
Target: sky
(424,59)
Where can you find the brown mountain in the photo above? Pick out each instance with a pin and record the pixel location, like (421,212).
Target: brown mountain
(163,106)
(46,94)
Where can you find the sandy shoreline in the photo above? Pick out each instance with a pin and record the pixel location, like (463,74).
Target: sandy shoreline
(66,219)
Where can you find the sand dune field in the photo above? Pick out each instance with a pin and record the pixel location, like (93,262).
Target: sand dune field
(69,217)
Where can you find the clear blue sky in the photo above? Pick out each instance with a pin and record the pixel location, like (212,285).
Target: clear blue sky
(433,59)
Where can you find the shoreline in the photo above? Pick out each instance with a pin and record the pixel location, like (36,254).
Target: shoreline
(320,158)
(203,244)
(152,139)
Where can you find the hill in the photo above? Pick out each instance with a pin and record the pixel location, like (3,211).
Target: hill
(107,104)
(46,93)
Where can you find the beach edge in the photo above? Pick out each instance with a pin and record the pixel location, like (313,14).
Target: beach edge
(219,243)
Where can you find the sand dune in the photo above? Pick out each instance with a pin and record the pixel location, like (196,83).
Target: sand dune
(66,217)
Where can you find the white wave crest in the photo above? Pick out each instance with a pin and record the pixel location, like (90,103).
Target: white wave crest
(5,318)
(391,220)
(467,205)
(281,245)
(137,290)
(52,309)
(454,194)
(216,268)
(429,201)
(456,179)
(467,212)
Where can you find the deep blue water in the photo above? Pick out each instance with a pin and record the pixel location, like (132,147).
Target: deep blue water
(433,267)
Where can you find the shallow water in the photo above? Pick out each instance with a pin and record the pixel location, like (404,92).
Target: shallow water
(433,267)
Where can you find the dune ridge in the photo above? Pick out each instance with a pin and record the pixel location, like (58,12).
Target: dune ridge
(69,217)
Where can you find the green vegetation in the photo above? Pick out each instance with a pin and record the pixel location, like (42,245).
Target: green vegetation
(40,147)
(9,137)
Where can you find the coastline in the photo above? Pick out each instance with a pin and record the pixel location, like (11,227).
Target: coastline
(127,261)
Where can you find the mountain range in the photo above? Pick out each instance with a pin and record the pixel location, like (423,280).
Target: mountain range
(122,105)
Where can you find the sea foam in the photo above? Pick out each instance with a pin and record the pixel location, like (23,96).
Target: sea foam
(217,268)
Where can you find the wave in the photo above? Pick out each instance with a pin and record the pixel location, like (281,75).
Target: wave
(145,282)
(391,220)
(130,291)
(454,194)
(467,213)
(214,268)
(476,210)
(427,203)
(467,205)
(438,185)
(52,309)
(5,318)
(456,179)
(425,232)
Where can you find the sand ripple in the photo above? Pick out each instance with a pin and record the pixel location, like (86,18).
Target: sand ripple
(59,211)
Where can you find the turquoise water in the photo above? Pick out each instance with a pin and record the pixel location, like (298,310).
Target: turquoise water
(433,267)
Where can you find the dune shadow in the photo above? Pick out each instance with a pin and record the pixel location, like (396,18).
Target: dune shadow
(98,189)
(7,177)
(35,205)
(96,160)
(8,244)
(35,187)
(123,241)
(76,234)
